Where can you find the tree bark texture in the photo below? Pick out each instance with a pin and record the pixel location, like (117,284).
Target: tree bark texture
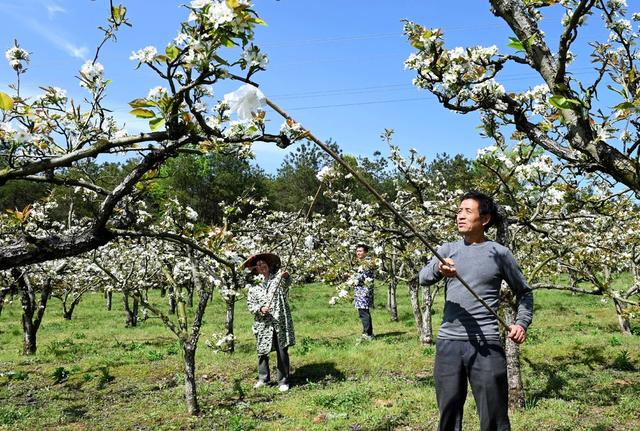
(507,301)
(427,320)
(67,310)
(423,323)
(392,300)
(189,356)
(32,312)
(131,310)
(172,300)
(623,322)
(512,352)
(228,324)
(108,295)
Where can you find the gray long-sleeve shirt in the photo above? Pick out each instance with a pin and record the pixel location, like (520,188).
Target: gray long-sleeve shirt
(483,266)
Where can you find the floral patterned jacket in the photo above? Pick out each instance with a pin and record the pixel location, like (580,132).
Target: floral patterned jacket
(279,318)
(363,289)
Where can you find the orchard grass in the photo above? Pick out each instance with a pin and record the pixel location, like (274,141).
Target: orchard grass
(93,373)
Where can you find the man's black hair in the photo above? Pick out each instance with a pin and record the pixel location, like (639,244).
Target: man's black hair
(365,247)
(486,205)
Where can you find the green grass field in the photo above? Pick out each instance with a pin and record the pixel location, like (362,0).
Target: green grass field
(93,373)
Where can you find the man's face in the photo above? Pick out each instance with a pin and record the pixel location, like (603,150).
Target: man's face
(360,253)
(469,219)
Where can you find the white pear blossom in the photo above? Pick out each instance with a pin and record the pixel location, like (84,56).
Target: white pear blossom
(22,136)
(16,56)
(92,73)
(309,242)
(244,101)
(199,4)
(157,93)
(219,13)
(6,127)
(486,151)
(326,173)
(254,57)
(181,39)
(191,214)
(292,130)
(145,55)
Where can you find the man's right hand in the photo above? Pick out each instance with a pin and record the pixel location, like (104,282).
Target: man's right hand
(448,269)
(264,310)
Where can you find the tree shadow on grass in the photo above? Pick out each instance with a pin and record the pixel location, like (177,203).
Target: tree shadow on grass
(316,373)
(570,378)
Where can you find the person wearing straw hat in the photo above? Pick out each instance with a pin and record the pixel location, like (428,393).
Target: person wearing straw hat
(468,347)
(268,301)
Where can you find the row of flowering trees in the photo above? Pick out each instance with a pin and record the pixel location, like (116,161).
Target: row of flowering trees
(561,219)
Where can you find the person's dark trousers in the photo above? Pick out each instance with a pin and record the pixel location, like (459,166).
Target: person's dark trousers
(283,363)
(484,365)
(365,318)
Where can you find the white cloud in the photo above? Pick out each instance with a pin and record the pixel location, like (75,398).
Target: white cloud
(55,8)
(56,39)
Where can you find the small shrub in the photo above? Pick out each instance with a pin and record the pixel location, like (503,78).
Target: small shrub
(63,348)
(239,423)
(155,356)
(622,362)
(173,349)
(346,401)
(9,415)
(18,375)
(59,375)
(105,377)
(615,341)
(133,346)
(305,346)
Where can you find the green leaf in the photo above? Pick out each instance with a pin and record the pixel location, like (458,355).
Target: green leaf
(115,12)
(142,103)
(260,21)
(530,40)
(156,123)
(172,52)
(161,58)
(220,59)
(515,44)
(227,42)
(624,105)
(142,113)
(6,101)
(621,92)
(564,103)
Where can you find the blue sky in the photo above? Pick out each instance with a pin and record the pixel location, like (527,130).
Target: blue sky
(336,66)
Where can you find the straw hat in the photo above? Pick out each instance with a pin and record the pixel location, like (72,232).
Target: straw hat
(272,260)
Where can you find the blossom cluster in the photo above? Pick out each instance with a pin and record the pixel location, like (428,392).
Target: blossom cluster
(17,57)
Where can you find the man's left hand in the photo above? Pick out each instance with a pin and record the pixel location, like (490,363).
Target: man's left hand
(517,333)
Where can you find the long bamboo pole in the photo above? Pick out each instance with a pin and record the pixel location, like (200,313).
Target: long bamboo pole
(295,244)
(386,204)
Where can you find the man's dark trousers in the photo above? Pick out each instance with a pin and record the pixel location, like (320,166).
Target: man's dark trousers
(481,363)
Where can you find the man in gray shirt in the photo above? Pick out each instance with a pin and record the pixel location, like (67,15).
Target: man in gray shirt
(468,347)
